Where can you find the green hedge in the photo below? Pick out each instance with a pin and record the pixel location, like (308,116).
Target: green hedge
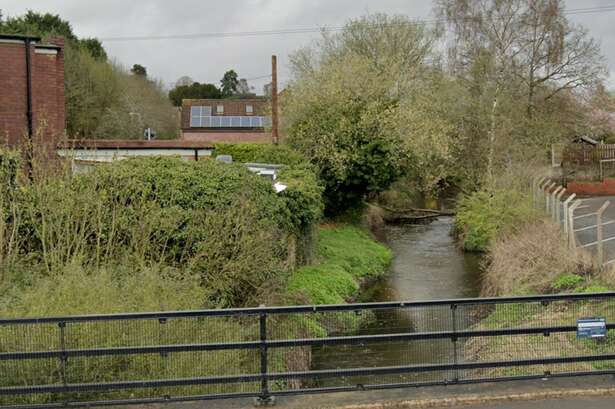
(482,215)
(261,153)
(303,197)
(216,219)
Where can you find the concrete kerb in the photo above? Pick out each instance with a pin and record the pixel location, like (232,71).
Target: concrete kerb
(479,399)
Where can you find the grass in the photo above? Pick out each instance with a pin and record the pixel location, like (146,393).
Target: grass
(346,257)
(535,259)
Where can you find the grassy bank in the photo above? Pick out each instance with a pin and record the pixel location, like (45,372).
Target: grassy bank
(528,254)
(347,256)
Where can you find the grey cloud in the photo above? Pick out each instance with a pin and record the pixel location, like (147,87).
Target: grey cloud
(206,59)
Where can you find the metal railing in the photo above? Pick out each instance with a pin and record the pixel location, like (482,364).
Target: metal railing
(585,222)
(276,351)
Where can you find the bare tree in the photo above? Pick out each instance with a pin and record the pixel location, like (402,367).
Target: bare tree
(525,48)
(184,81)
(531,40)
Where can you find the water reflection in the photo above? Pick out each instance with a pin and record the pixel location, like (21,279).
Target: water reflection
(427,265)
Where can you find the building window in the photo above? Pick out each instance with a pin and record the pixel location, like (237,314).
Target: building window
(249,109)
(220,109)
(199,116)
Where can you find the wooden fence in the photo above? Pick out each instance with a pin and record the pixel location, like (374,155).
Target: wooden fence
(579,154)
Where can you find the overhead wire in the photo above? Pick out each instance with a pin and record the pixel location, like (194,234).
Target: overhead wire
(308,30)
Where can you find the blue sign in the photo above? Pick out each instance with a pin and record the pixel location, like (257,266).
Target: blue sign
(588,328)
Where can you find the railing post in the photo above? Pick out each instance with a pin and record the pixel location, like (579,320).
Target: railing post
(558,203)
(599,233)
(572,241)
(64,356)
(455,343)
(535,186)
(541,191)
(548,188)
(566,204)
(265,399)
(554,202)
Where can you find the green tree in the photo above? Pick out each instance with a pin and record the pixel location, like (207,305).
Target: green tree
(194,91)
(229,83)
(101,97)
(347,129)
(518,60)
(350,102)
(38,24)
(95,48)
(139,70)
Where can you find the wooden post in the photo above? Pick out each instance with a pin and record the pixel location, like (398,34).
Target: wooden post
(558,201)
(274,100)
(599,232)
(566,210)
(572,242)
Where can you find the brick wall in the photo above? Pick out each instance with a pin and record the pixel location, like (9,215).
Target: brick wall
(604,188)
(47,67)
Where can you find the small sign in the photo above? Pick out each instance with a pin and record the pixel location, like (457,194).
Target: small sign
(588,328)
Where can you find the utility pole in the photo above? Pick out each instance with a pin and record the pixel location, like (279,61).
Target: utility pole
(274,99)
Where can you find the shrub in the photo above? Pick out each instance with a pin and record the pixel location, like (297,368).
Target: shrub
(347,129)
(216,219)
(261,153)
(482,215)
(567,281)
(534,259)
(10,164)
(114,290)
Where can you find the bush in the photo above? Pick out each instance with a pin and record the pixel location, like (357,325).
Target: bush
(347,129)
(303,197)
(10,164)
(261,153)
(567,281)
(108,290)
(216,219)
(482,215)
(533,260)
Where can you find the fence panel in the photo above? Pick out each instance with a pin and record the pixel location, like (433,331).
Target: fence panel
(265,352)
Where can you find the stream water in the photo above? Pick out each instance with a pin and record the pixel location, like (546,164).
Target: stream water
(427,265)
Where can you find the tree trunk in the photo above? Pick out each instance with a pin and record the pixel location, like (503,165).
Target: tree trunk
(492,135)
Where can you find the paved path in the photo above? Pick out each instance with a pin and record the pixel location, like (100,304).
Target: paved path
(584,217)
(577,403)
(432,397)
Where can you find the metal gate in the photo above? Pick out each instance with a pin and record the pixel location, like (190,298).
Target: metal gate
(275,351)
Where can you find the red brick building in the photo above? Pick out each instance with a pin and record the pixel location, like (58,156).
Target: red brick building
(31,92)
(226,120)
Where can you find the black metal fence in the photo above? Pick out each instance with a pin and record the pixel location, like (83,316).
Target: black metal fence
(265,352)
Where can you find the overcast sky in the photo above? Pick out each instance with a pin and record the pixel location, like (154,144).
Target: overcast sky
(206,59)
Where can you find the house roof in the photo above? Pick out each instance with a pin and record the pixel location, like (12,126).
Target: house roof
(586,139)
(134,144)
(222,101)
